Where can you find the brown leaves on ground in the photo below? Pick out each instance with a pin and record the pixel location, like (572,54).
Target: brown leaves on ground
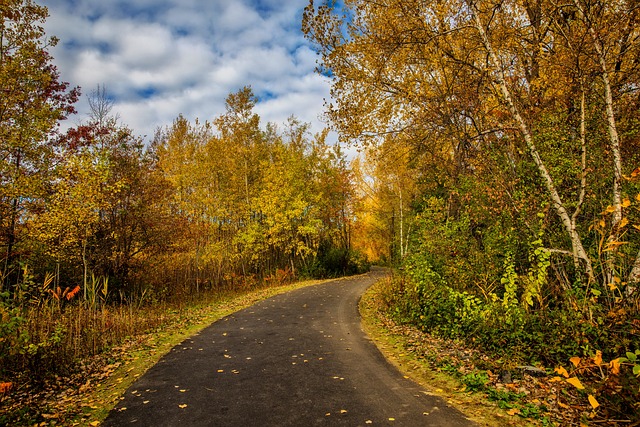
(559,397)
(64,400)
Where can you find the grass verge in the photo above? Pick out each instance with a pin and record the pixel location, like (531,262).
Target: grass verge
(86,397)
(398,344)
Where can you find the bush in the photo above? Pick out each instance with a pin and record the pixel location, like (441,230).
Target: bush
(335,262)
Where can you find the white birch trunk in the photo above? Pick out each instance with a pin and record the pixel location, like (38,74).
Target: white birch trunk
(576,242)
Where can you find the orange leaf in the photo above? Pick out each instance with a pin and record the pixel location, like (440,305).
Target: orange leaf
(575,360)
(598,358)
(513,411)
(560,370)
(610,209)
(574,381)
(594,403)
(5,387)
(626,203)
(623,223)
(73,292)
(615,366)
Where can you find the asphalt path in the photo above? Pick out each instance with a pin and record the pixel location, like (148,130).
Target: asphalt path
(297,359)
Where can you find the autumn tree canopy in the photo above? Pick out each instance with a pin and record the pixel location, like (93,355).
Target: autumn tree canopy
(33,101)
(470,82)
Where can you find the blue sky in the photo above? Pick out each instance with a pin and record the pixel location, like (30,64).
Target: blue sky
(162,58)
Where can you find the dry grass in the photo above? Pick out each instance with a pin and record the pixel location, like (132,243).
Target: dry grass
(82,359)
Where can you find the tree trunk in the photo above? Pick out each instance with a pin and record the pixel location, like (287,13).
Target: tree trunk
(614,145)
(576,242)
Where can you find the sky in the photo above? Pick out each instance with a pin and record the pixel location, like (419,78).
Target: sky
(161,58)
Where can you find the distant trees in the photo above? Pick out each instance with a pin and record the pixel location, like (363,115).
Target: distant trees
(253,201)
(206,205)
(209,204)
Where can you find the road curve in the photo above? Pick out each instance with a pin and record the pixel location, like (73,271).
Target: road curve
(297,359)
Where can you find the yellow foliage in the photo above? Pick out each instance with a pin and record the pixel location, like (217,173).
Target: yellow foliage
(614,365)
(560,370)
(574,381)
(598,358)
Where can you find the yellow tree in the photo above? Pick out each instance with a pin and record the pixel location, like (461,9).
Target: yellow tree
(33,101)
(72,214)
(388,189)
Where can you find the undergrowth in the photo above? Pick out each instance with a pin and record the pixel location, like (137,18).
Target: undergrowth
(590,358)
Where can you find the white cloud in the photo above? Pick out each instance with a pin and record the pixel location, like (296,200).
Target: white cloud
(162,58)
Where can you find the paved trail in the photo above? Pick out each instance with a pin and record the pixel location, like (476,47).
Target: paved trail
(297,359)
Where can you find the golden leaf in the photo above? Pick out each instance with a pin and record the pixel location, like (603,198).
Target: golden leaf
(184,405)
(574,381)
(623,222)
(614,365)
(575,360)
(610,209)
(555,379)
(598,358)
(626,203)
(594,403)
(513,411)
(94,423)
(602,223)
(560,370)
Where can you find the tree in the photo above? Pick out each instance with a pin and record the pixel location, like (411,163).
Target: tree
(33,101)
(472,81)
(71,218)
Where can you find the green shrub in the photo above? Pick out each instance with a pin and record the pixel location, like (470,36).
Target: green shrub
(335,262)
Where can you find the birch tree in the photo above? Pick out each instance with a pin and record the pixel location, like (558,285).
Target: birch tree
(470,78)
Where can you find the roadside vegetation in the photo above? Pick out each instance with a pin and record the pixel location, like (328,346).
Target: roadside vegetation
(501,171)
